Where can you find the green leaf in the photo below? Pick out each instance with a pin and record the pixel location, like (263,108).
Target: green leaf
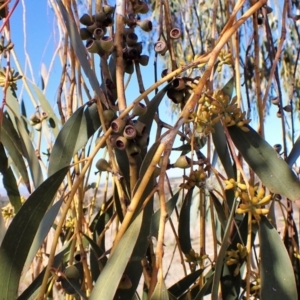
(229,87)
(29,153)
(12,143)
(219,209)
(221,148)
(221,256)
(160,292)
(206,288)
(65,143)
(109,279)
(183,284)
(274,172)
(148,159)
(294,154)
(45,104)
(42,232)
(21,232)
(277,275)
(184,223)
(171,204)
(32,290)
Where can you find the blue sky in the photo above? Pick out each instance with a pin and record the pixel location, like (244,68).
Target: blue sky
(42,37)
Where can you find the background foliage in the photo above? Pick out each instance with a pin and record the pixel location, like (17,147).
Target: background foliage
(105,235)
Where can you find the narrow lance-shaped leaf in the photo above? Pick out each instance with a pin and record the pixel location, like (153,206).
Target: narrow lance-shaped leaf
(29,152)
(12,143)
(64,146)
(42,232)
(274,172)
(184,223)
(109,279)
(14,251)
(277,275)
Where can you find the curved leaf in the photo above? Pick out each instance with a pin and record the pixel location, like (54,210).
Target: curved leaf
(42,232)
(29,152)
(294,154)
(221,148)
(275,173)
(160,292)
(13,252)
(109,279)
(32,290)
(64,147)
(156,216)
(277,275)
(221,256)
(184,223)
(183,284)
(12,143)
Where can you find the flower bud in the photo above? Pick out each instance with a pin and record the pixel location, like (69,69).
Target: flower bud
(103,166)
(133,149)
(118,125)
(145,25)
(86,20)
(85,34)
(143,60)
(108,9)
(106,43)
(175,33)
(98,33)
(129,132)
(182,162)
(131,39)
(178,84)
(99,17)
(139,127)
(121,143)
(161,47)
(139,109)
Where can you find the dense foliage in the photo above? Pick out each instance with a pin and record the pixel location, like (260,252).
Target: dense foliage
(108,235)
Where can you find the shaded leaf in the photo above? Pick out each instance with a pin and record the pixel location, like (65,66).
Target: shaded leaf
(206,288)
(24,225)
(30,155)
(32,290)
(277,275)
(160,292)
(219,209)
(12,143)
(64,146)
(221,148)
(42,232)
(294,154)
(171,204)
(183,284)
(221,256)
(148,159)
(184,223)
(275,173)
(109,279)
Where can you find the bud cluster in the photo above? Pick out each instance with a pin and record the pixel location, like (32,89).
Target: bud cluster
(236,257)
(11,79)
(254,199)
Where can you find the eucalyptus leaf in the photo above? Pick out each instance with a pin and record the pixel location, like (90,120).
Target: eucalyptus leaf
(294,154)
(30,154)
(184,223)
(160,292)
(65,143)
(274,172)
(24,226)
(277,275)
